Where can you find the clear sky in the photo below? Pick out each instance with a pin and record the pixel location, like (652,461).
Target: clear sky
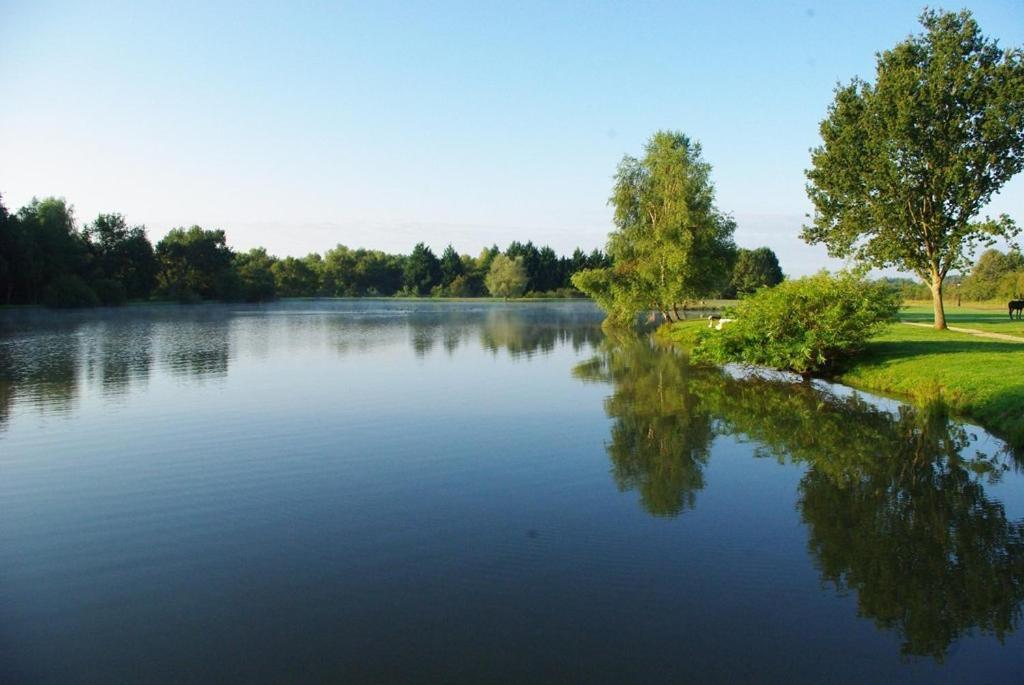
(300,125)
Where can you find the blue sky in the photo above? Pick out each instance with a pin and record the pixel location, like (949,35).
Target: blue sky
(301,125)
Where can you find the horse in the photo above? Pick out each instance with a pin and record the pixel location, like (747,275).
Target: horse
(1016,306)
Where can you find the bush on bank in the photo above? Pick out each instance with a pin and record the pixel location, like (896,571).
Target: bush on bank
(807,325)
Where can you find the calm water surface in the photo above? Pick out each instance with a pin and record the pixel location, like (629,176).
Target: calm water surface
(391,491)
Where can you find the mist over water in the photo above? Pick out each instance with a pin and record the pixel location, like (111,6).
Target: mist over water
(388,490)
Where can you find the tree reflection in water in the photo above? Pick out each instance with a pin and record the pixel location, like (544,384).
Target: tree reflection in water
(894,501)
(661,435)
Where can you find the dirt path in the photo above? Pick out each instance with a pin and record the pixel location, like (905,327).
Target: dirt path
(972,331)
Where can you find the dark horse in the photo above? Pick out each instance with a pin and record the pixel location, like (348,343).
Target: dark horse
(1016,306)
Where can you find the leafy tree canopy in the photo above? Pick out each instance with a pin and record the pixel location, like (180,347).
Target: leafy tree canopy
(507,277)
(755,269)
(422,270)
(908,162)
(671,244)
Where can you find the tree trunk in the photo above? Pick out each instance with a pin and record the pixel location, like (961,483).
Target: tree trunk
(940,312)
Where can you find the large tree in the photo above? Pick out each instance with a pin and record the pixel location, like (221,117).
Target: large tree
(671,243)
(908,163)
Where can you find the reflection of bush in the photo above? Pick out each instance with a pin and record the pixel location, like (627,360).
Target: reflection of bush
(894,501)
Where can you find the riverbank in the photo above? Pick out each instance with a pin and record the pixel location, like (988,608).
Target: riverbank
(980,379)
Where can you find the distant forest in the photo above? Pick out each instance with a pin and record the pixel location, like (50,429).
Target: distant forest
(45,258)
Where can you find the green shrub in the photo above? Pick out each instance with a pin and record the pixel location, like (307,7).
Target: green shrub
(807,325)
(68,291)
(110,292)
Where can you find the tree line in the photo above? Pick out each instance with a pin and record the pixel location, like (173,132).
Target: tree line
(46,259)
(996,276)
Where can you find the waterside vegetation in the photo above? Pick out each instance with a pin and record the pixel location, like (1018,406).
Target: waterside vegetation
(969,375)
(906,166)
(46,259)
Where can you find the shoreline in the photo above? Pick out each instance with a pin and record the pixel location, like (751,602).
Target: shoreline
(980,380)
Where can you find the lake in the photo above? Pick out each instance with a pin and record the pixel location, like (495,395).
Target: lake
(402,491)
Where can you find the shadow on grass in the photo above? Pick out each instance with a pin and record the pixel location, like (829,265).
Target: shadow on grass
(880,350)
(1000,410)
(954,317)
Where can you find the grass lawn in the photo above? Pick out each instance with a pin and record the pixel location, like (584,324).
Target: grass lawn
(979,378)
(983,317)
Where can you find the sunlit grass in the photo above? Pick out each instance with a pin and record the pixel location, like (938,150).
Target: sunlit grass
(979,378)
(983,317)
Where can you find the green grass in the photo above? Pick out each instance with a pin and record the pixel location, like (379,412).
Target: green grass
(983,317)
(978,378)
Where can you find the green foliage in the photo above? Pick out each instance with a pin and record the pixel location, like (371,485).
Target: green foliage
(46,246)
(806,325)
(255,275)
(610,293)
(40,243)
(109,292)
(529,257)
(671,244)
(506,277)
(995,275)
(422,270)
(123,254)
(1011,286)
(195,263)
(908,162)
(755,269)
(68,291)
(908,288)
(451,266)
(354,273)
(296,277)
